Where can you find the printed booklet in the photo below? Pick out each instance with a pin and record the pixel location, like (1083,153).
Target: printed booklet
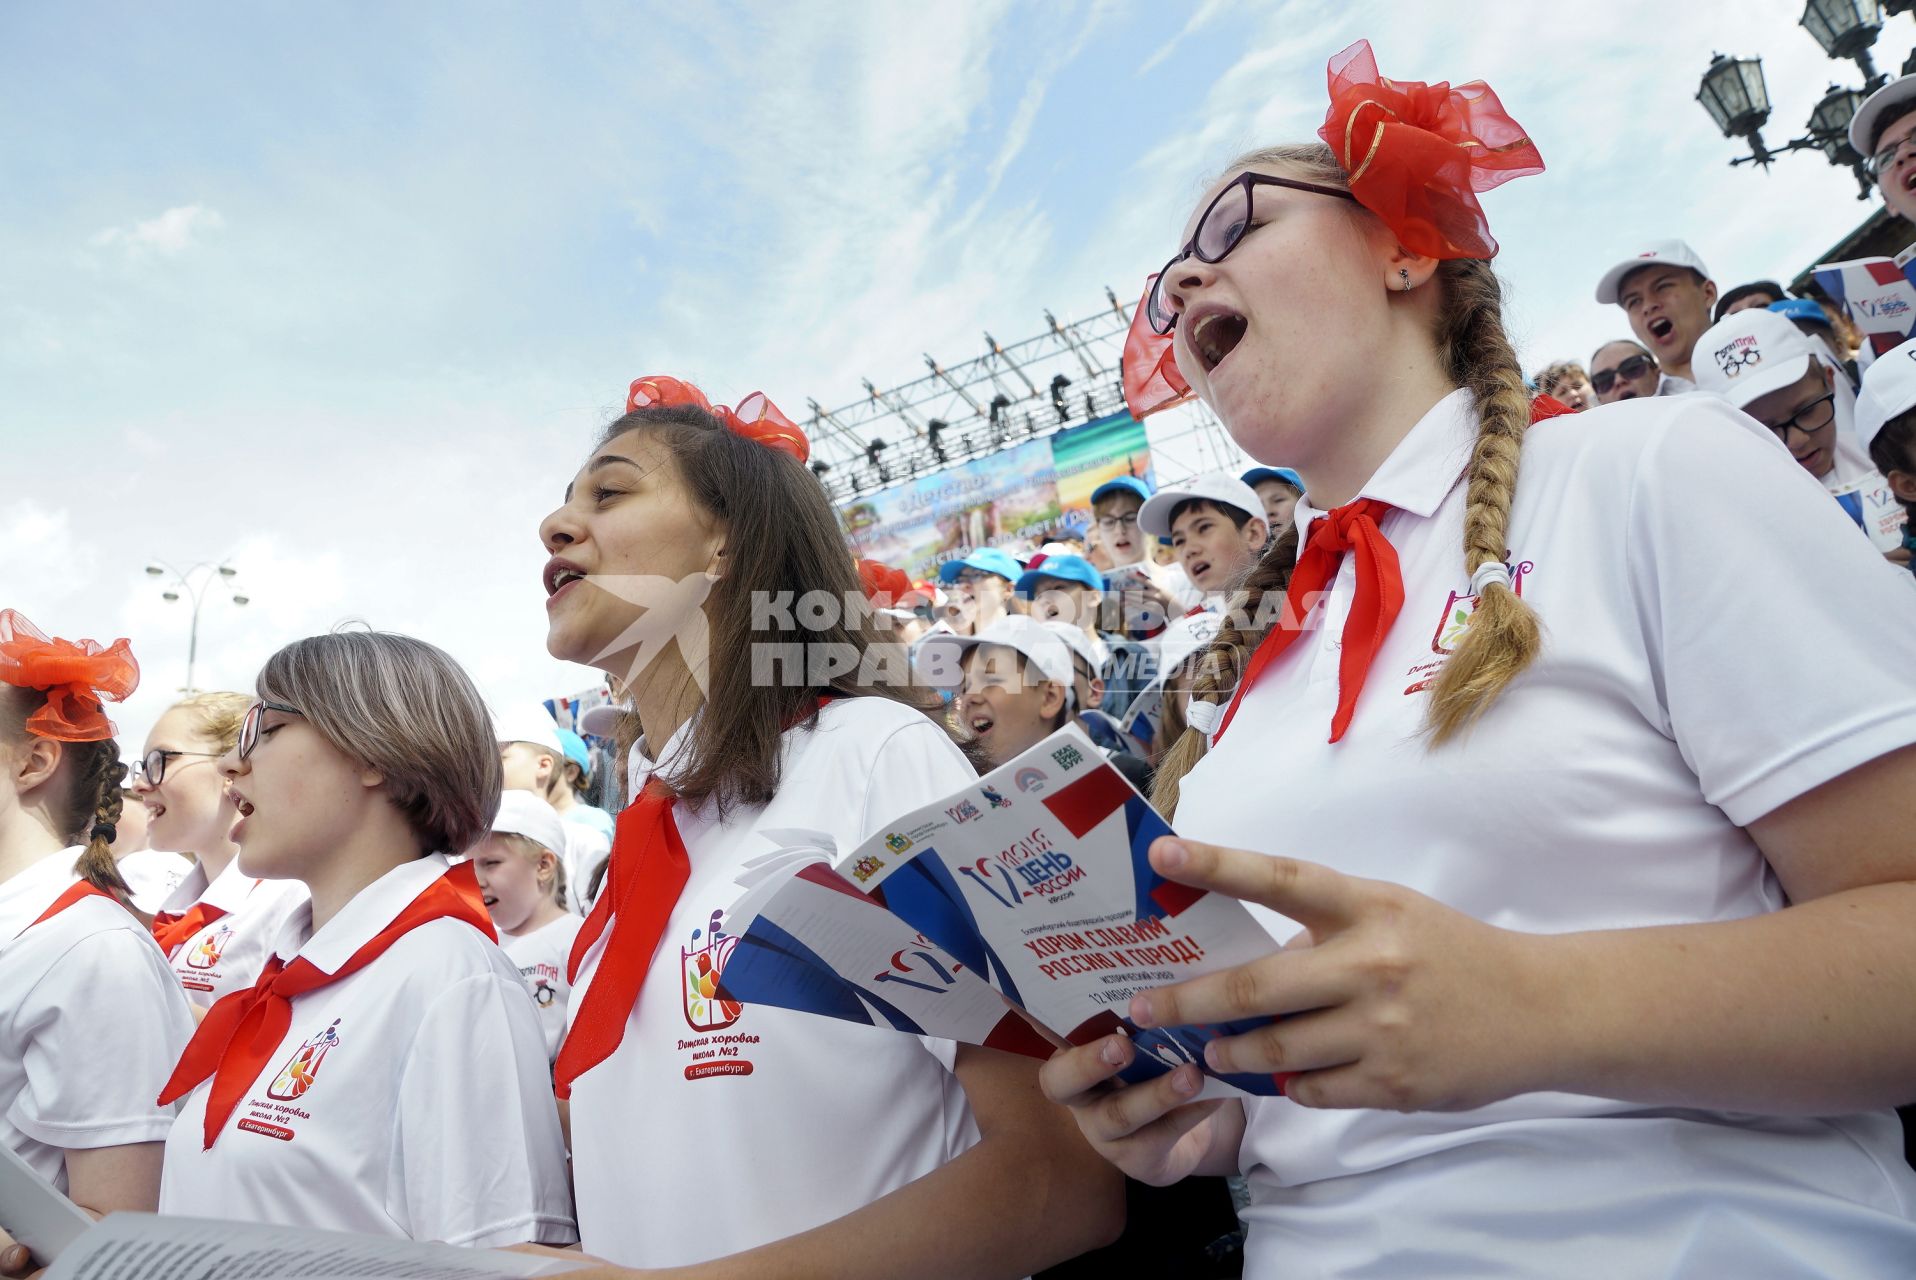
(1024,899)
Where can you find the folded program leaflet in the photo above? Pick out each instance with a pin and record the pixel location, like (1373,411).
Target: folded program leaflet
(1027,891)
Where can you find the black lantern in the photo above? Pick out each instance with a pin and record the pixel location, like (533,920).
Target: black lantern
(1847,29)
(1734,95)
(1829,124)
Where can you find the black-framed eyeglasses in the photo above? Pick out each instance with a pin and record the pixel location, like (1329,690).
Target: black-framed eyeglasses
(1810,419)
(152,766)
(249,727)
(1226,221)
(1629,370)
(1880,163)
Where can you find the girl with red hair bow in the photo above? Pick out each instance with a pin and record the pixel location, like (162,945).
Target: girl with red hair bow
(701,564)
(90,1018)
(1595,874)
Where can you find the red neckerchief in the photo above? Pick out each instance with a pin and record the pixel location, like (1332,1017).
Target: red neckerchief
(646,874)
(1379,597)
(172,928)
(243,1030)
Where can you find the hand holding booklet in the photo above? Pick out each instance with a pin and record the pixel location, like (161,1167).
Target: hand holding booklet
(1024,899)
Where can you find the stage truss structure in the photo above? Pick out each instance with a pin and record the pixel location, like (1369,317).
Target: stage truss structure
(1064,376)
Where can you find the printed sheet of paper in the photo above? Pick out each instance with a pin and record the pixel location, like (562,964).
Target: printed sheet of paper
(810,942)
(1879,296)
(144,1246)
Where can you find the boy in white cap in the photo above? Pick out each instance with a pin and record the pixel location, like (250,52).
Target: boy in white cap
(522,879)
(1217,526)
(1883,132)
(1886,421)
(1666,293)
(533,759)
(1788,381)
(1012,681)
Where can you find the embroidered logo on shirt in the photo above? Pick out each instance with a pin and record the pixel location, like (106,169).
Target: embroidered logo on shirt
(297,1076)
(700,968)
(1451,625)
(207,953)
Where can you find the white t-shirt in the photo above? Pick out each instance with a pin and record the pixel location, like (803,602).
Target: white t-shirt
(585,848)
(540,957)
(228,953)
(152,875)
(715,1129)
(91,1022)
(423,1105)
(1717,641)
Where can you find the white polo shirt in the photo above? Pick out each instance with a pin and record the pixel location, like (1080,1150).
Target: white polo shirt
(714,1128)
(540,957)
(151,876)
(91,1022)
(424,1110)
(1717,641)
(585,848)
(228,953)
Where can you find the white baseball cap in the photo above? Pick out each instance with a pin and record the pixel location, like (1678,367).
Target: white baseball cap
(1154,517)
(1087,646)
(1889,387)
(1897,93)
(1659,253)
(530,723)
(603,720)
(939,658)
(523,814)
(1751,353)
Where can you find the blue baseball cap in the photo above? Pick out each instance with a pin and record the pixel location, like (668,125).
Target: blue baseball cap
(1800,309)
(575,749)
(984,560)
(1257,475)
(1065,568)
(1123,484)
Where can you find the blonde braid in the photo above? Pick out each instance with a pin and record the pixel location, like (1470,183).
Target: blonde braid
(1503,636)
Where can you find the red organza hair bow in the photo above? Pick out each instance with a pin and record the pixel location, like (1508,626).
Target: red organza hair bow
(884,586)
(755,418)
(74,676)
(1151,378)
(1418,154)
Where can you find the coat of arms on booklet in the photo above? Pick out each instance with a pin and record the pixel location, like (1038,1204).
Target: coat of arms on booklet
(1030,888)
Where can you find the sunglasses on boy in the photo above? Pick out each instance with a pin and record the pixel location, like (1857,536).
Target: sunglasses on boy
(1629,370)
(249,727)
(1226,221)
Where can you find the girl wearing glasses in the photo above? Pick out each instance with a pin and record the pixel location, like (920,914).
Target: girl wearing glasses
(1595,887)
(340,1090)
(218,926)
(90,1019)
(762,1141)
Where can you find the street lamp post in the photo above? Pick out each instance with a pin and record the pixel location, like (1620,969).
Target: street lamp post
(1734,94)
(195,583)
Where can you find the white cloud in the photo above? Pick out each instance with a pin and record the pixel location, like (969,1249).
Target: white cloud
(169,235)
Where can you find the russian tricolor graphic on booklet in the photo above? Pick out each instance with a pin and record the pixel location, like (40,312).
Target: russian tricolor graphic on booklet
(1019,913)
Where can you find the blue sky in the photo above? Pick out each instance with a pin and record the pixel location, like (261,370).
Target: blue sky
(341,291)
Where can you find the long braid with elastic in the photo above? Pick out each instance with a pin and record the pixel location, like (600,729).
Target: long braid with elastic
(1503,636)
(99,778)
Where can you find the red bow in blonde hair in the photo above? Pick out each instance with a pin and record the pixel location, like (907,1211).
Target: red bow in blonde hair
(756,417)
(1418,154)
(74,676)
(1151,378)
